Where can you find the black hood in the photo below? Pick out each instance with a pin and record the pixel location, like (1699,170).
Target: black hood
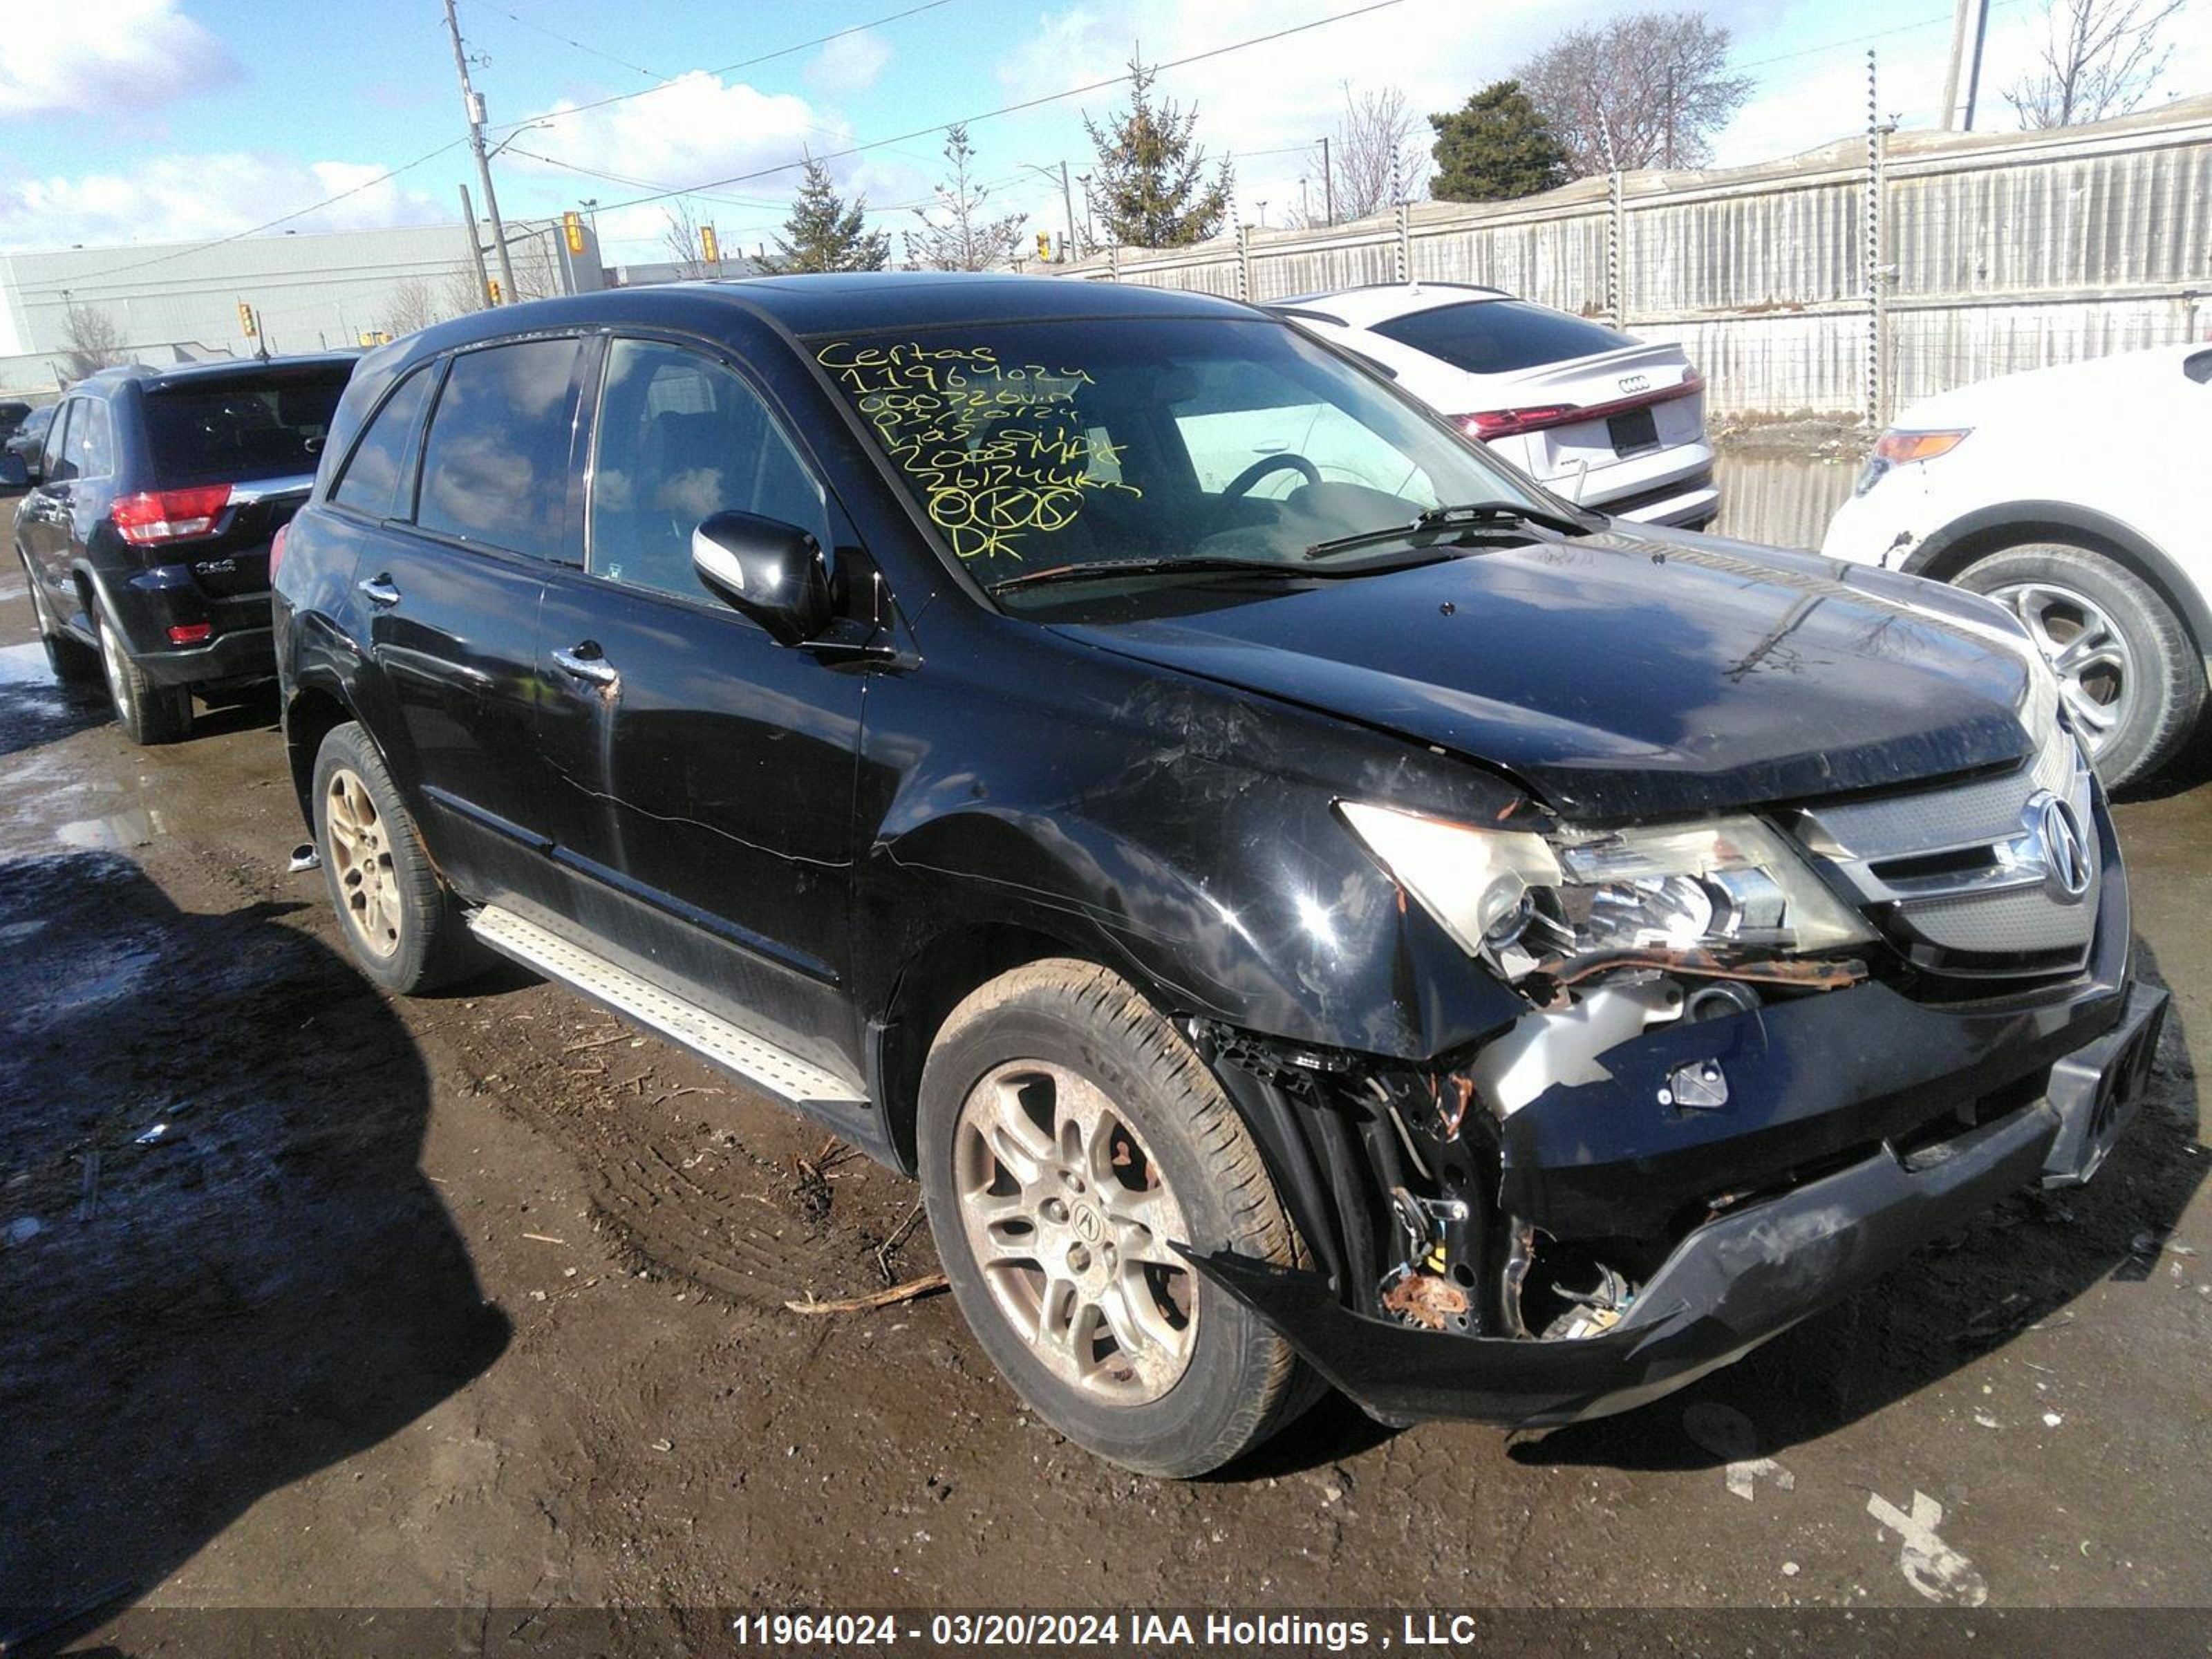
(1627,675)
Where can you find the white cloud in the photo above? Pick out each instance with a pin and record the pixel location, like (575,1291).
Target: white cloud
(696,129)
(96,56)
(178,199)
(850,63)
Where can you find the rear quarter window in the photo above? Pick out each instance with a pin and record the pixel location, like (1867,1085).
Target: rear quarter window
(1499,337)
(372,481)
(234,431)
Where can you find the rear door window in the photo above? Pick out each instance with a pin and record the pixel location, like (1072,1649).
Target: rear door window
(63,452)
(495,464)
(233,431)
(374,482)
(1499,337)
(94,439)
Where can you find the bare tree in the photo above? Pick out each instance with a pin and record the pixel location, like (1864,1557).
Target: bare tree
(957,234)
(91,342)
(681,239)
(1374,161)
(458,294)
(413,305)
(2097,58)
(1646,90)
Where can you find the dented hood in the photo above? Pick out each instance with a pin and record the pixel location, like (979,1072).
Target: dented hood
(1625,675)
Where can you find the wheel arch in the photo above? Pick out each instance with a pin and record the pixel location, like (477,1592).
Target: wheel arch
(933,980)
(1944,555)
(311,713)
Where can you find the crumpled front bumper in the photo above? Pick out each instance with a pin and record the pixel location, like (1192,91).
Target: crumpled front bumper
(1732,1283)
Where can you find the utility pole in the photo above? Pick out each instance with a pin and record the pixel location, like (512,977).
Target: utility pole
(473,106)
(1068,202)
(475,249)
(1327,183)
(1974,65)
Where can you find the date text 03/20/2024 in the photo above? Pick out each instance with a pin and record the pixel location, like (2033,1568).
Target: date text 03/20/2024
(1246,1633)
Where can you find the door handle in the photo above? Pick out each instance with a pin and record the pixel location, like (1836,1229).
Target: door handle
(585,662)
(377,590)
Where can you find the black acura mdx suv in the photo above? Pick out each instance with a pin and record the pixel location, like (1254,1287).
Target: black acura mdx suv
(1310,906)
(145,535)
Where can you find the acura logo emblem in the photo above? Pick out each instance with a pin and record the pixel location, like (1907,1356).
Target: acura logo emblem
(2065,851)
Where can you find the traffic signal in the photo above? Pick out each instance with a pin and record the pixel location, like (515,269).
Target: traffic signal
(491,285)
(1045,244)
(709,246)
(572,224)
(248,324)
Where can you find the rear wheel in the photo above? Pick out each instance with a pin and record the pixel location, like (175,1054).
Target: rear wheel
(2132,678)
(149,713)
(1070,1139)
(403,924)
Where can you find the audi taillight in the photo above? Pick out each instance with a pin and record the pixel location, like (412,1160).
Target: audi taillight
(1535,417)
(154,516)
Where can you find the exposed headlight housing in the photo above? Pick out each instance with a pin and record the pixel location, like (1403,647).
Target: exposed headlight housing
(1896,447)
(1520,901)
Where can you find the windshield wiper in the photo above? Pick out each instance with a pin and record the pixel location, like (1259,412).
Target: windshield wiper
(1440,520)
(1103,568)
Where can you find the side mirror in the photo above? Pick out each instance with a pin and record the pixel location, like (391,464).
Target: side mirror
(15,471)
(771,571)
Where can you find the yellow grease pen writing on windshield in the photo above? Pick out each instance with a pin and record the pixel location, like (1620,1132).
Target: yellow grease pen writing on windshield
(998,452)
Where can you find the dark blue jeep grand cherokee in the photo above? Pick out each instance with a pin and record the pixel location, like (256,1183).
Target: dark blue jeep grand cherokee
(1310,906)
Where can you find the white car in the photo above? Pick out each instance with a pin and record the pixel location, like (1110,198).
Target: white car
(1599,418)
(2074,497)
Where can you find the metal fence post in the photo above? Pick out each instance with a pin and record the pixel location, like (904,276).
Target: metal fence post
(1244,262)
(1114,263)
(1877,272)
(1405,252)
(1616,238)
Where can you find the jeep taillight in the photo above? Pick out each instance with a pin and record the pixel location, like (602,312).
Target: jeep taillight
(154,516)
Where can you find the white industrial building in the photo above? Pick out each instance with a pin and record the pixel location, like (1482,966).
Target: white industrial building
(180,302)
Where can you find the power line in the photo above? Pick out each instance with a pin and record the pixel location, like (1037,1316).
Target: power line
(1007,109)
(594,51)
(727,69)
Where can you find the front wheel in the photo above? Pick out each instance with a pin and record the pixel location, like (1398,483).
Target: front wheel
(2132,680)
(1070,1139)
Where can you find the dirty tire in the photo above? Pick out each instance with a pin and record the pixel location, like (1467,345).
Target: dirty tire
(433,946)
(2161,706)
(1240,1382)
(73,662)
(149,713)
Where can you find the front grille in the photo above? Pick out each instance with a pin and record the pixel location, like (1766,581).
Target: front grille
(1964,879)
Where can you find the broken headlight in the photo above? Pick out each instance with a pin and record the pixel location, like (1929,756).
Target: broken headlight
(1520,901)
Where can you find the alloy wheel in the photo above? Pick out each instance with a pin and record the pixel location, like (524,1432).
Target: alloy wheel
(2096,668)
(1069,1220)
(359,852)
(112,659)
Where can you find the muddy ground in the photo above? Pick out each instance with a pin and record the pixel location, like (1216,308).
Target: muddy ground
(477,1301)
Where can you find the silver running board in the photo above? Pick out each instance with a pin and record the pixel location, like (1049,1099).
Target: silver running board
(774,1070)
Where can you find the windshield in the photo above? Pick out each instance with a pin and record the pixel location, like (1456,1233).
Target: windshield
(1138,441)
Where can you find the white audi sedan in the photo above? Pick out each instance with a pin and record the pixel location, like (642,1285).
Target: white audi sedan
(1601,419)
(2075,496)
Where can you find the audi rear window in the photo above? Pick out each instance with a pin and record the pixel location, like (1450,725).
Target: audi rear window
(1499,337)
(231,431)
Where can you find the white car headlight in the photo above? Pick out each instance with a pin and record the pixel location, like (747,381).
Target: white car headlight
(1519,900)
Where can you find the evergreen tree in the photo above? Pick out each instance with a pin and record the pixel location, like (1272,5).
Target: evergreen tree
(1495,147)
(825,234)
(966,239)
(1150,188)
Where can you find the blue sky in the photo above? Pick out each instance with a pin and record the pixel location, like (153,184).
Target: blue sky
(182,119)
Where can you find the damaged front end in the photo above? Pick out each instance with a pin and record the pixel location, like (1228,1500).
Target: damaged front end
(1735,1096)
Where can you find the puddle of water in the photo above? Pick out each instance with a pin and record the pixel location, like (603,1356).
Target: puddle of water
(118,832)
(26,664)
(1782,501)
